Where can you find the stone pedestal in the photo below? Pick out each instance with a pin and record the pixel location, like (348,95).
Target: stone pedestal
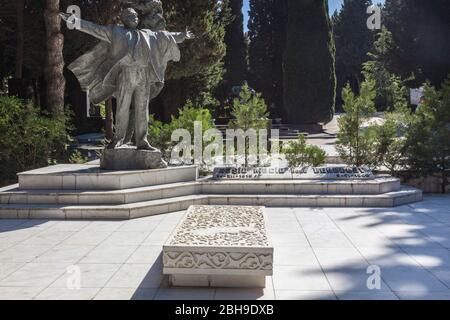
(131,159)
(219,246)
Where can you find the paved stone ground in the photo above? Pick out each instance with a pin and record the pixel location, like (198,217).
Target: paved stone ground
(320,253)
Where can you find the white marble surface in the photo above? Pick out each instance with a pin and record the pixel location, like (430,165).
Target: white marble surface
(219,246)
(410,244)
(91,177)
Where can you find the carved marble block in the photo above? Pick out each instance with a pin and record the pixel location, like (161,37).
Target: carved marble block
(219,246)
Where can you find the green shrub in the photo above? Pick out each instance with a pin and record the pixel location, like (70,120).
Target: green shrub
(428,137)
(160,134)
(77,158)
(249,111)
(299,154)
(357,146)
(28,139)
(391,143)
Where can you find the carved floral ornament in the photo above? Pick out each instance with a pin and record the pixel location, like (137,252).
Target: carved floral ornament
(218,260)
(230,226)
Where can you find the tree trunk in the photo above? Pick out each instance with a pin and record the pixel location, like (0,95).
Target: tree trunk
(55,61)
(20,5)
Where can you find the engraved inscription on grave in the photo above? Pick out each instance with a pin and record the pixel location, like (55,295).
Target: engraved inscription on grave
(305,173)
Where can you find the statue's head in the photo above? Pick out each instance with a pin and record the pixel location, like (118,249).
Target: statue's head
(157,22)
(152,15)
(129,18)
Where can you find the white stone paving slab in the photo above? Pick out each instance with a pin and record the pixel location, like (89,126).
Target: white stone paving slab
(145,276)
(87,237)
(67,294)
(125,294)
(145,254)
(301,278)
(23,253)
(35,275)
(421,295)
(107,253)
(266,293)
(64,254)
(6,268)
(19,293)
(366,295)
(91,275)
(304,295)
(184,294)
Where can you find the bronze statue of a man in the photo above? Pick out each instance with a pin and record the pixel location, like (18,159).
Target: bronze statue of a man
(128,64)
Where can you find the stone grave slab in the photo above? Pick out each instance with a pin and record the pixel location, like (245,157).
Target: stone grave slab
(219,246)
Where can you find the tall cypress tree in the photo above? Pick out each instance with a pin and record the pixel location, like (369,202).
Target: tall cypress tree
(260,49)
(236,57)
(421,31)
(267,35)
(309,63)
(353,41)
(279,9)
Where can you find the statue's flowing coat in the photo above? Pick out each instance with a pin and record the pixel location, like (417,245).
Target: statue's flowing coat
(98,70)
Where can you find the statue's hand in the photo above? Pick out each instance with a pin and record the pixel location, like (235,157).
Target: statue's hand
(65,16)
(68,18)
(189,35)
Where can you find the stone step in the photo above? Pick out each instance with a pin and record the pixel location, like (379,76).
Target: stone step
(204,186)
(124,211)
(147,208)
(391,199)
(86,197)
(376,186)
(90,177)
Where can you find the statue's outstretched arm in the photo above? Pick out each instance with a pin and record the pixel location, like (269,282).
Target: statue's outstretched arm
(96,30)
(180,37)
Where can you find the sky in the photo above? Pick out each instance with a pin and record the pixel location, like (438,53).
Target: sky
(334,5)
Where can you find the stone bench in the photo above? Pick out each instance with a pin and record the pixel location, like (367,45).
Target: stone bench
(219,246)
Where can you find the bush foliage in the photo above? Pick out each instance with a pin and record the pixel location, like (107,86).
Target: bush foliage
(160,134)
(428,137)
(249,111)
(299,153)
(356,145)
(29,139)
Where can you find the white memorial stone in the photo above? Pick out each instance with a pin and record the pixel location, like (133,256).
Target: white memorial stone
(219,246)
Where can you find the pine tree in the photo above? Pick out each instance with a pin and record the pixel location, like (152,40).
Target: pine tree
(309,63)
(201,69)
(428,136)
(420,30)
(353,41)
(354,145)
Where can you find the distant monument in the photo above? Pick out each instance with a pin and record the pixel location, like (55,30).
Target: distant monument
(129,64)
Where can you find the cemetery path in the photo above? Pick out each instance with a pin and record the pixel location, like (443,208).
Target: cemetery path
(320,253)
